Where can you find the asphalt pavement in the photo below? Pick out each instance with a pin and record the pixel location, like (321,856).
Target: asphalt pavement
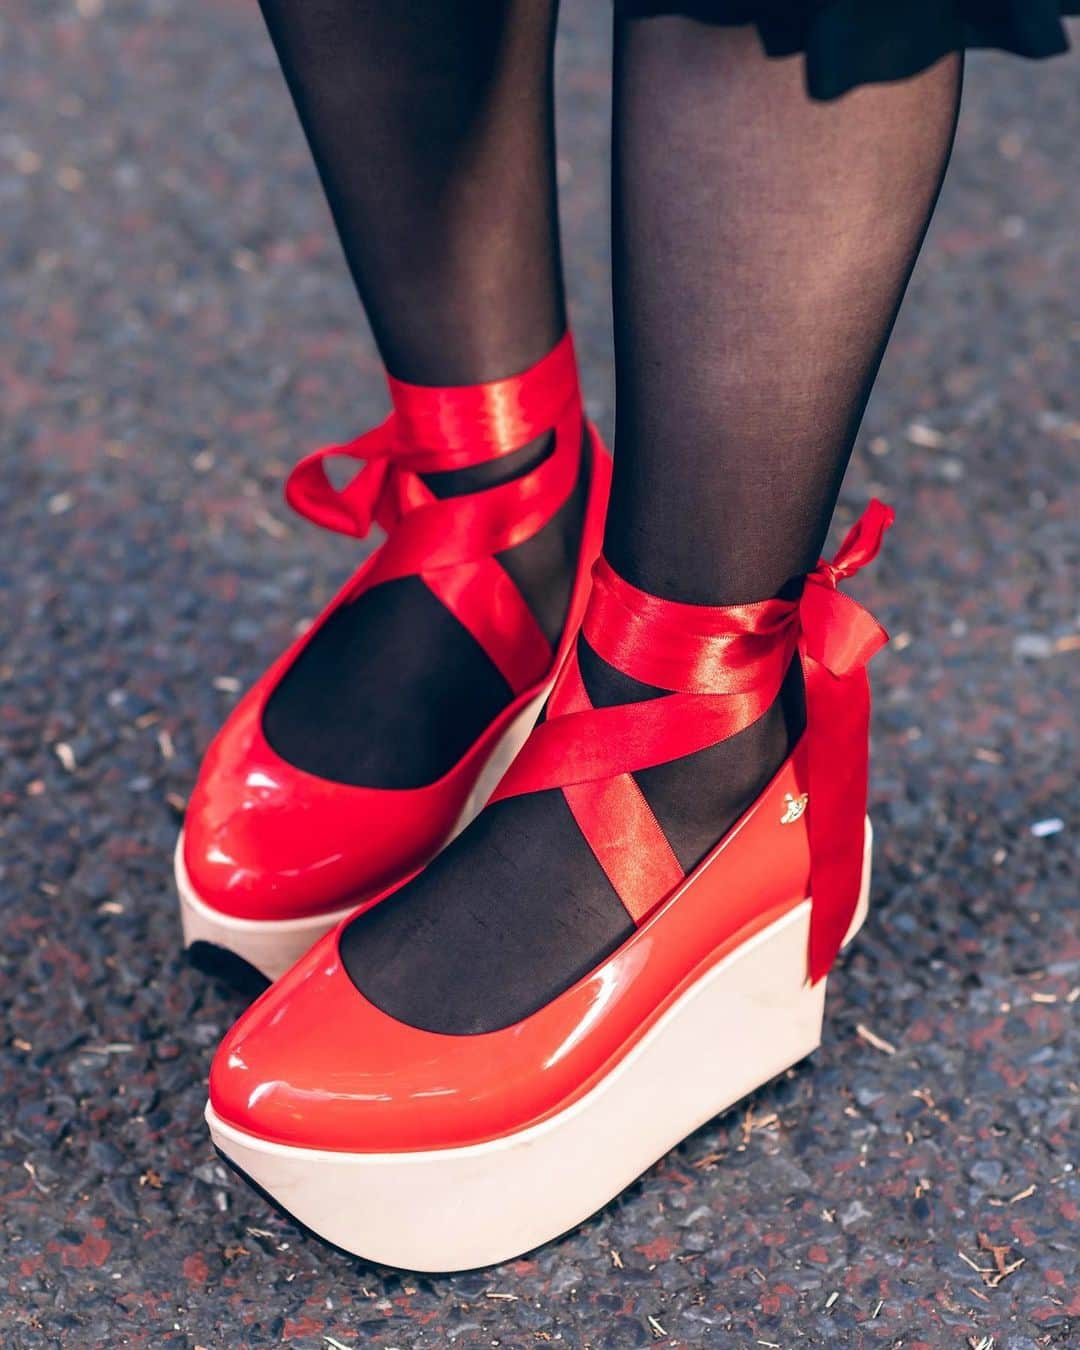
(178,328)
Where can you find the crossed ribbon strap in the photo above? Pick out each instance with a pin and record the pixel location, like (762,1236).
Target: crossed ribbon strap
(451,542)
(435,430)
(724,667)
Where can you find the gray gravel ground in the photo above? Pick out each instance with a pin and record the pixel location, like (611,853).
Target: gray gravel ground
(178,327)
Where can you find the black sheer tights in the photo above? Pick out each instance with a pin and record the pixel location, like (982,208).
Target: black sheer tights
(762,244)
(431,125)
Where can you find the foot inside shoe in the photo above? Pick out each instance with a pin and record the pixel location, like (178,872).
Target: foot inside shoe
(392,689)
(520,901)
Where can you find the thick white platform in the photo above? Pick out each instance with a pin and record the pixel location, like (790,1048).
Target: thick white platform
(740,1024)
(273,945)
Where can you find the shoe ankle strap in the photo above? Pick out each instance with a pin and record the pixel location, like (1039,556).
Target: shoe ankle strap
(438,429)
(723,667)
(454,543)
(738,649)
(433,430)
(690,649)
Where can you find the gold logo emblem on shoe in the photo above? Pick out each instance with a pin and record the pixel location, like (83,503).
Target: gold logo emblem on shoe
(794,807)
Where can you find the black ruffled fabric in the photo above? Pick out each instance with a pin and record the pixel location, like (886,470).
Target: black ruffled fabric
(851,42)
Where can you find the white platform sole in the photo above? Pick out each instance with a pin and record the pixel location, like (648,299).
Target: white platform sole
(746,1020)
(273,945)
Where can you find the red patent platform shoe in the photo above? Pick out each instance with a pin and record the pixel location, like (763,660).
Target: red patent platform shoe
(443,1152)
(272,856)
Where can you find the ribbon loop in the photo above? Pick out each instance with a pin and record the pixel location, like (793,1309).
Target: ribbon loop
(352,509)
(860,545)
(836,631)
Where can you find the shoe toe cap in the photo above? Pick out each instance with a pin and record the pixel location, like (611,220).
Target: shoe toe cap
(265,840)
(312,1063)
(261,853)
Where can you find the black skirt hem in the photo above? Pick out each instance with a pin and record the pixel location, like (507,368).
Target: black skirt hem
(847,43)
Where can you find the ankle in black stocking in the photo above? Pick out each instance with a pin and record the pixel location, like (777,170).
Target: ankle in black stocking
(431,125)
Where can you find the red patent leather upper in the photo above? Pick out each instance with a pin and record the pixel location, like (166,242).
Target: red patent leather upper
(377,1084)
(265,840)
(312,1062)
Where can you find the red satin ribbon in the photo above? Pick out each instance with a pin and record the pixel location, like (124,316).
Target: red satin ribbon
(452,542)
(434,430)
(463,425)
(724,666)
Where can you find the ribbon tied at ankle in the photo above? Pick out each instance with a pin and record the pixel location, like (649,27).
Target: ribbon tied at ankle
(436,430)
(723,667)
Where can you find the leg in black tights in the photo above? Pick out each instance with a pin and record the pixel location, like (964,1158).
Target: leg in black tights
(431,124)
(762,244)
